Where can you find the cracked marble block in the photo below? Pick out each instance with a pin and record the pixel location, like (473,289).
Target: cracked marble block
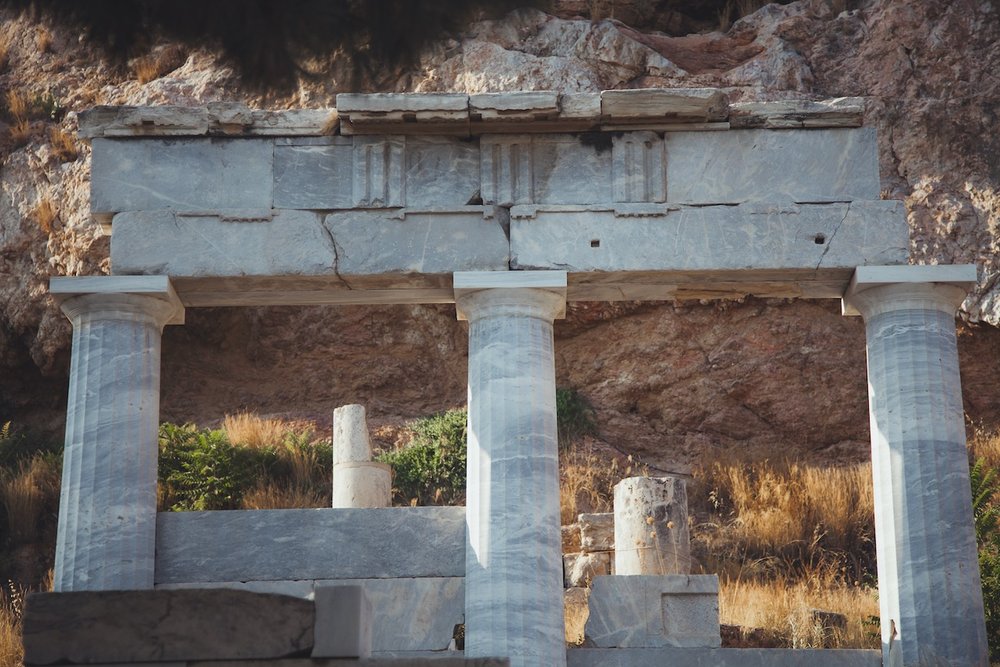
(930,595)
(107,508)
(513,578)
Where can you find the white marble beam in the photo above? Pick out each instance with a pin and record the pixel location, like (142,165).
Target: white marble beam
(514,594)
(107,510)
(930,595)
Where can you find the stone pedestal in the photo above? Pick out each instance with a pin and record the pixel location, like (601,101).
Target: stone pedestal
(107,510)
(357,481)
(651,526)
(514,592)
(930,595)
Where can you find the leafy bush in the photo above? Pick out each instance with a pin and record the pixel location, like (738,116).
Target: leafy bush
(986,511)
(430,470)
(202,470)
(574,416)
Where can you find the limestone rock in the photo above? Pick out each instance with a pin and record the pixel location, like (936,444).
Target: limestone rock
(597,531)
(580,569)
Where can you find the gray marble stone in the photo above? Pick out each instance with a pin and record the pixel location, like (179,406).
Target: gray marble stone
(153,626)
(930,595)
(309,175)
(180,174)
(639,167)
(343,626)
(513,594)
(225,118)
(304,243)
(378,171)
(651,526)
(745,237)
(297,544)
(409,614)
(441,172)
(721,657)
(765,165)
(107,507)
(653,611)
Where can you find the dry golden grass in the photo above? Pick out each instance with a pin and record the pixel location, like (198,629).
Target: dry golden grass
(11,606)
(43,40)
(270,496)
(5,43)
(146,69)
(784,608)
(17,105)
(985,445)
(251,430)
(24,492)
(587,482)
(45,215)
(63,145)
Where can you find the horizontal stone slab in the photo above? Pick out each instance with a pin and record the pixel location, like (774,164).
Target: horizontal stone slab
(644,104)
(310,544)
(417,659)
(180,174)
(292,243)
(153,626)
(837,112)
(708,238)
(721,657)
(409,614)
(221,119)
(773,166)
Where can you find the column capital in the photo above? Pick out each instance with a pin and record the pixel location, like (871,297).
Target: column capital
(152,295)
(875,289)
(526,293)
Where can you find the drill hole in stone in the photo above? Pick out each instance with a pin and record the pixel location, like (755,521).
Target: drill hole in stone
(595,243)
(819,239)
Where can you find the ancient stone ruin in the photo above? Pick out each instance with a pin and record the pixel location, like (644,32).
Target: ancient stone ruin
(508,205)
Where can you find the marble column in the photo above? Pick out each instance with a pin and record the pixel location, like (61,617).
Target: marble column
(930,595)
(107,510)
(513,581)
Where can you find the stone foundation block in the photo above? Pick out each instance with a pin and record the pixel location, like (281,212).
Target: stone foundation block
(571,538)
(343,622)
(581,568)
(597,532)
(654,611)
(164,626)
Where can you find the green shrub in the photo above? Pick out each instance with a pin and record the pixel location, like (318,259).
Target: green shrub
(574,416)
(202,470)
(986,511)
(430,470)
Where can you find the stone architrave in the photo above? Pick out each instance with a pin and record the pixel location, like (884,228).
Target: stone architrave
(651,526)
(930,595)
(513,585)
(357,480)
(107,508)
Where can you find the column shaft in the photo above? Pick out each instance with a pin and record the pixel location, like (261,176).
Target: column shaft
(107,510)
(929,588)
(514,596)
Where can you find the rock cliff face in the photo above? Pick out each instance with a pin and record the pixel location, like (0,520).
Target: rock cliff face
(669,381)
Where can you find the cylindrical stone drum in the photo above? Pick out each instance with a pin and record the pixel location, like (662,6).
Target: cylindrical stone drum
(651,526)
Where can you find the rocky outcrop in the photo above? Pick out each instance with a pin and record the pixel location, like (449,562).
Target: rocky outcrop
(670,381)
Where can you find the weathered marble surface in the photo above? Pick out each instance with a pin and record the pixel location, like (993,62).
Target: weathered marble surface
(707,238)
(180,174)
(579,569)
(343,626)
(651,526)
(597,531)
(150,626)
(300,544)
(653,611)
(409,614)
(764,165)
(840,111)
(290,242)
(314,173)
(513,586)
(350,434)
(362,484)
(930,595)
(221,118)
(107,507)
(721,657)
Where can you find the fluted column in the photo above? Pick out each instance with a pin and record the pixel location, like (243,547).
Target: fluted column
(930,594)
(513,580)
(107,510)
